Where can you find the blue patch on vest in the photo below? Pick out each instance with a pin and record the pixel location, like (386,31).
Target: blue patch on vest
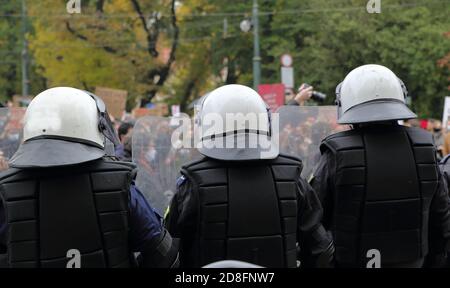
(181,180)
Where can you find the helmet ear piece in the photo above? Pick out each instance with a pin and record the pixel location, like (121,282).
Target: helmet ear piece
(101,126)
(338,95)
(269,117)
(404,89)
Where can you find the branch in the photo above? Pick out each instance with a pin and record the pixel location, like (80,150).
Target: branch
(75,33)
(187,93)
(176,32)
(152,36)
(163,71)
(84,38)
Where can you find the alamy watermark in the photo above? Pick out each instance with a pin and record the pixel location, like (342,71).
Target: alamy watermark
(74,256)
(73,7)
(373,6)
(374,257)
(232,130)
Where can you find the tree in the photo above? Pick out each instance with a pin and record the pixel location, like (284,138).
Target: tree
(333,38)
(213,50)
(179,50)
(327,40)
(445,61)
(125,44)
(11,39)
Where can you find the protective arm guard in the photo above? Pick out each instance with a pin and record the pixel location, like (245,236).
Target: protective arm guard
(162,252)
(439,227)
(320,249)
(316,245)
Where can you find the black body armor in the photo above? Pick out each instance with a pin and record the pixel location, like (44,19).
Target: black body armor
(246,210)
(384,182)
(51,211)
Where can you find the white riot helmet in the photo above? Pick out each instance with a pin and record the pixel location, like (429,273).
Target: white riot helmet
(371,93)
(63,126)
(235,124)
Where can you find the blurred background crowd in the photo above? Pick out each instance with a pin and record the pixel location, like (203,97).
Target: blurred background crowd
(147,141)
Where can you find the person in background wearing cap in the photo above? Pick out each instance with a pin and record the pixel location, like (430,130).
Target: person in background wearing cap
(383,198)
(245,201)
(64,197)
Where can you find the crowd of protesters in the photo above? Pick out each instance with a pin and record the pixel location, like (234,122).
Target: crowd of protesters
(300,134)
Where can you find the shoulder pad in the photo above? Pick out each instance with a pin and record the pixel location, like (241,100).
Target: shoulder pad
(287,159)
(129,165)
(196,162)
(419,136)
(342,140)
(9,173)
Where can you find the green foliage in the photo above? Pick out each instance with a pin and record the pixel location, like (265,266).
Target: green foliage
(406,38)
(106,45)
(11,43)
(326,38)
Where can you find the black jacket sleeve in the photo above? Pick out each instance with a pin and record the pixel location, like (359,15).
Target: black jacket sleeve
(2,229)
(181,221)
(181,216)
(316,245)
(322,184)
(439,225)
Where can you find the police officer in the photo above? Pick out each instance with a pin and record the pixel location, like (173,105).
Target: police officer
(65,203)
(382,194)
(242,200)
(444,165)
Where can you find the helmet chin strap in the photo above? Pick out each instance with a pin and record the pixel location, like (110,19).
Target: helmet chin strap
(404,89)
(269,116)
(105,125)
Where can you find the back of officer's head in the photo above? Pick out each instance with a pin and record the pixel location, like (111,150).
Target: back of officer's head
(235,124)
(372,93)
(63,126)
(63,112)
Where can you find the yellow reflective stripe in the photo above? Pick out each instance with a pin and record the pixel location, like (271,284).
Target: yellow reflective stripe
(167,211)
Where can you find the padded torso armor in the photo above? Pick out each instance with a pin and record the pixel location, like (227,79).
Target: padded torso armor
(385,179)
(83,207)
(246,210)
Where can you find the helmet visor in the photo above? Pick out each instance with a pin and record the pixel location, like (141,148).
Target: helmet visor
(375,111)
(45,152)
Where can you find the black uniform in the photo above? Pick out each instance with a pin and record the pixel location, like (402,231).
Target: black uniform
(381,189)
(253,211)
(49,211)
(444,165)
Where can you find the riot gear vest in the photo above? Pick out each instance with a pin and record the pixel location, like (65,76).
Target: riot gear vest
(246,210)
(385,178)
(81,208)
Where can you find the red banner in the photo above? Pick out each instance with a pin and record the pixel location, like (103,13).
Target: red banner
(272,94)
